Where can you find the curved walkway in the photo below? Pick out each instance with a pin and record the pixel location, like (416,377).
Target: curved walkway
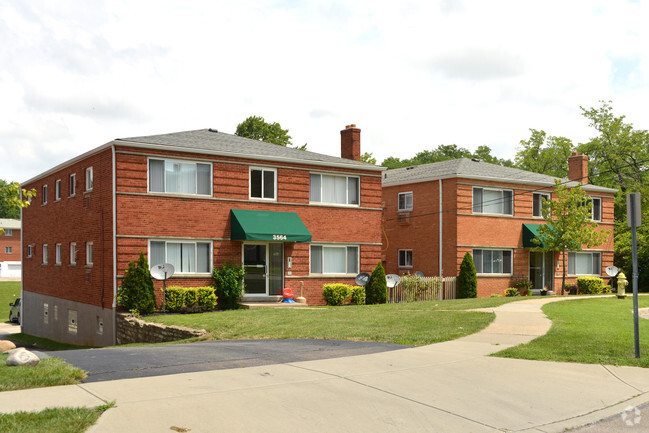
(445,387)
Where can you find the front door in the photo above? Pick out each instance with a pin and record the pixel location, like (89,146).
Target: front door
(541,265)
(264,266)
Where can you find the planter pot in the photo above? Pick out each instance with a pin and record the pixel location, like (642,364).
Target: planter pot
(544,293)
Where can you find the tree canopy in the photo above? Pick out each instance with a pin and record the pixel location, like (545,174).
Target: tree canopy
(11,201)
(544,154)
(445,152)
(257,128)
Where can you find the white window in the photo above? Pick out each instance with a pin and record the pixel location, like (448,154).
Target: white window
(492,261)
(44,194)
(90,253)
(57,190)
(326,188)
(405,201)
(334,259)
(262,183)
(45,254)
(9,232)
(180,177)
(584,263)
(30,251)
(493,201)
(405,258)
(73,185)
(9,250)
(596,211)
(73,253)
(187,257)
(89,179)
(538,205)
(57,254)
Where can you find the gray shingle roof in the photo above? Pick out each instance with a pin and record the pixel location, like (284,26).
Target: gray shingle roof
(9,223)
(471,169)
(211,141)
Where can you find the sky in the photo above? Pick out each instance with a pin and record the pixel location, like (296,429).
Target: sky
(412,75)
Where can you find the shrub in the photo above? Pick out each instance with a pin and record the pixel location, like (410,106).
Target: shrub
(228,283)
(524,286)
(467,281)
(570,289)
(512,291)
(206,298)
(189,299)
(607,289)
(376,291)
(174,299)
(336,294)
(590,285)
(137,293)
(358,295)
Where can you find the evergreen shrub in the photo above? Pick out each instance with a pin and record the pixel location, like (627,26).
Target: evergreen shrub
(137,293)
(376,291)
(467,280)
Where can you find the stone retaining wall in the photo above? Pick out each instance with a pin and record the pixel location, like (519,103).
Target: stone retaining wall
(130,329)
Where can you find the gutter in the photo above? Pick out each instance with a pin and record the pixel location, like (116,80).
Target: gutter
(114,202)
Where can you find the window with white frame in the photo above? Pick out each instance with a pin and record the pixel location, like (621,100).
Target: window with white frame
(187,257)
(57,190)
(73,253)
(405,201)
(493,201)
(90,253)
(89,179)
(57,254)
(29,252)
(9,250)
(334,189)
(180,177)
(44,194)
(262,183)
(9,232)
(492,261)
(596,211)
(405,258)
(538,205)
(73,185)
(334,259)
(584,263)
(45,254)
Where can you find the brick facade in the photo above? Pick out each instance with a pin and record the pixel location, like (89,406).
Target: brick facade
(10,246)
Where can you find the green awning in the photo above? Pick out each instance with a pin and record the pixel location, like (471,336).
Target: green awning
(260,225)
(531,231)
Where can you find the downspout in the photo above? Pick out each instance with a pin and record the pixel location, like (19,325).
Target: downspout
(22,262)
(440,228)
(114,249)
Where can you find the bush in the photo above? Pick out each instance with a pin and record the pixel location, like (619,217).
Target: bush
(228,282)
(206,298)
(358,295)
(590,285)
(174,299)
(607,290)
(376,291)
(570,289)
(524,286)
(336,294)
(189,299)
(137,293)
(512,291)
(467,281)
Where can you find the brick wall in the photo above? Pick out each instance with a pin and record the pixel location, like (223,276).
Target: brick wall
(13,242)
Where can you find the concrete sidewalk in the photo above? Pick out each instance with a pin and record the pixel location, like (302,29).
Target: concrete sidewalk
(446,387)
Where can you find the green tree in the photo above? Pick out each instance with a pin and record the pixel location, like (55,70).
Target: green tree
(228,284)
(544,154)
(137,293)
(11,201)
(368,157)
(568,224)
(257,128)
(376,291)
(445,152)
(467,280)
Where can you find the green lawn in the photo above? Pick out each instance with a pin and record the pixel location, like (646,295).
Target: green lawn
(59,420)
(592,331)
(417,323)
(9,291)
(48,372)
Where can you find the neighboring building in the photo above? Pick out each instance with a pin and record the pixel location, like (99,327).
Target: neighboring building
(194,199)
(435,213)
(10,248)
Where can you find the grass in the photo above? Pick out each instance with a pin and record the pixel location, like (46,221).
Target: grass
(9,291)
(48,372)
(39,343)
(59,420)
(591,331)
(417,323)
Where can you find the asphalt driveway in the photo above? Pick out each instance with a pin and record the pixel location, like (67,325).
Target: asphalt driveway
(130,362)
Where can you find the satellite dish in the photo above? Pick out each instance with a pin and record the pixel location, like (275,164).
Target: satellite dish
(362,279)
(419,274)
(612,271)
(392,280)
(162,271)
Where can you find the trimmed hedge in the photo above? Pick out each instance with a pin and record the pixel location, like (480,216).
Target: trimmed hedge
(190,299)
(590,285)
(512,291)
(336,294)
(358,295)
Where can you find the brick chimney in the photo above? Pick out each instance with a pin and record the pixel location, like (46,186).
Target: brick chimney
(350,142)
(578,167)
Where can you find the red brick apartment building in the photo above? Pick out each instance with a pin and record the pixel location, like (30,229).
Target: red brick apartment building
(10,248)
(194,199)
(435,213)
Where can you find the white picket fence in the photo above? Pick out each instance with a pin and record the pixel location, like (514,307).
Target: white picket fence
(412,288)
